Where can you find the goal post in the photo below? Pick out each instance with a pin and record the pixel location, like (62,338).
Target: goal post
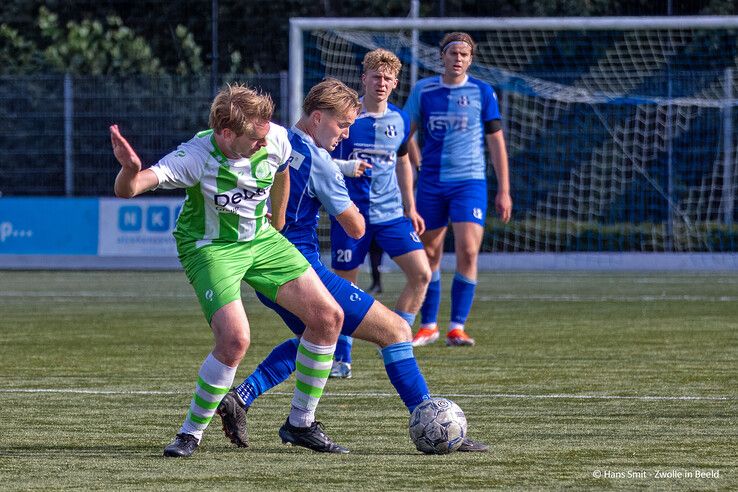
(620,130)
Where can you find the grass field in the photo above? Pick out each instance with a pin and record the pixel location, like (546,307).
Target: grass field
(587,381)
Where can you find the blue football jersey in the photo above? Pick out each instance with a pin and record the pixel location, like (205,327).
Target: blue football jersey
(450,120)
(315,180)
(376,139)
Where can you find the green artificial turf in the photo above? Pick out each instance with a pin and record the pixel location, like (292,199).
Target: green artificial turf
(578,380)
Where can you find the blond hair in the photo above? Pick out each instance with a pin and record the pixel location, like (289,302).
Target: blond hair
(331,95)
(237,107)
(381,59)
(460,37)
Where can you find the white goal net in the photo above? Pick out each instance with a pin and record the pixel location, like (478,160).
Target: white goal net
(620,131)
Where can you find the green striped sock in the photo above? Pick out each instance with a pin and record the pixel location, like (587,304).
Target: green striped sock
(313,366)
(215,378)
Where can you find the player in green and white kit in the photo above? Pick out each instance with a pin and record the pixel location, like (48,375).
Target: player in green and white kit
(223,237)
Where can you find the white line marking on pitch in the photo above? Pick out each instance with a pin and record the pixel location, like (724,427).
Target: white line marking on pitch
(606,298)
(386,395)
(96,295)
(501,297)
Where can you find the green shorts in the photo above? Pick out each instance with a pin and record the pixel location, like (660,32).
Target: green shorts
(216,270)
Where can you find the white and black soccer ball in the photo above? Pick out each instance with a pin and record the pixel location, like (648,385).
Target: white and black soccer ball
(437,426)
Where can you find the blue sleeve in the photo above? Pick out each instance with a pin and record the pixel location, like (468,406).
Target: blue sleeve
(490,108)
(327,184)
(412,106)
(406,124)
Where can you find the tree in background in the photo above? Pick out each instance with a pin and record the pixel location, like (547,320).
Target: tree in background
(91,47)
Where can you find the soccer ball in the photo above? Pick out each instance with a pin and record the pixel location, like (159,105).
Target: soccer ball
(437,426)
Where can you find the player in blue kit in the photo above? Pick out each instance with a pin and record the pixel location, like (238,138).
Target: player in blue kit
(315,180)
(383,192)
(456,116)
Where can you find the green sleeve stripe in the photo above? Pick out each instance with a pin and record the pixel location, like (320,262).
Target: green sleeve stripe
(313,373)
(315,357)
(213,390)
(309,390)
(203,403)
(199,420)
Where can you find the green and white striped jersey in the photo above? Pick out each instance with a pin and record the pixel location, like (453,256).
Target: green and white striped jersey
(226,198)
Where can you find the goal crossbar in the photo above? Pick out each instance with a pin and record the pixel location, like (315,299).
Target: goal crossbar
(300,24)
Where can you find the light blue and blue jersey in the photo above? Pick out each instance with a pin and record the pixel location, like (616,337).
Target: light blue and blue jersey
(376,139)
(450,120)
(316,180)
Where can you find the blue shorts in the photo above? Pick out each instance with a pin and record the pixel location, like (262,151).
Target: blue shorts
(461,201)
(354,301)
(395,236)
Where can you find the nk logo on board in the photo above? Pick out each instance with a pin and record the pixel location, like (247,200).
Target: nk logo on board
(155,218)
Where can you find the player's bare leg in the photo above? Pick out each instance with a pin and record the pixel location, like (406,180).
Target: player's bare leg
(417,272)
(309,300)
(467,241)
(231,331)
(433,244)
(383,327)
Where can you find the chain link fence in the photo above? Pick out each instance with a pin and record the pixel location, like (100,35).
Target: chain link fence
(54,133)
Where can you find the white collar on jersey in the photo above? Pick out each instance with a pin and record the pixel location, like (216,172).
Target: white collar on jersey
(453,86)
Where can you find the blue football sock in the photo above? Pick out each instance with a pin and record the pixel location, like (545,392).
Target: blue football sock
(276,368)
(404,374)
(409,317)
(429,309)
(343,349)
(462,295)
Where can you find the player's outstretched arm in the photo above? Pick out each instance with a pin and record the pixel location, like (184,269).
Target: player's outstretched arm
(131,180)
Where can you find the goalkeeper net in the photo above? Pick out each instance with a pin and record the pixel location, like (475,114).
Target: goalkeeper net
(620,131)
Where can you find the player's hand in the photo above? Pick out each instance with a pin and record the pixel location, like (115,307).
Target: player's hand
(352,168)
(276,223)
(361,167)
(503,205)
(123,151)
(417,220)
